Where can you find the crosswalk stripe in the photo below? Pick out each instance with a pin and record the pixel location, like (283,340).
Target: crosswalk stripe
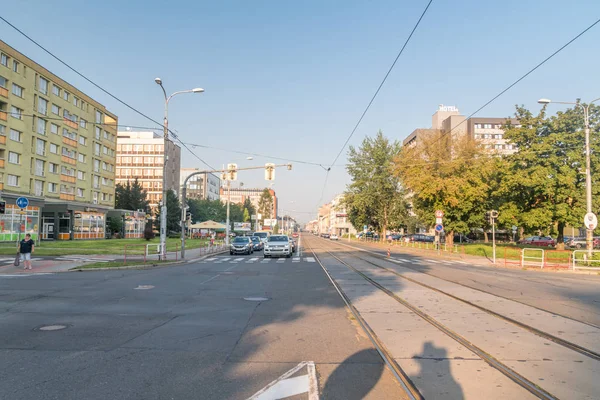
(239,259)
(433,261)
(309,259)
(296,259)
(210,259)
(226,259)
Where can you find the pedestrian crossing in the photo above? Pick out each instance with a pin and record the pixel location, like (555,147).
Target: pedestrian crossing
(256,260)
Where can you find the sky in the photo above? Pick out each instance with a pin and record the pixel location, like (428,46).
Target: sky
(291,79)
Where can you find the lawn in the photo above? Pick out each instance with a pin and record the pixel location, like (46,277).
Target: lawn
(512,252)
(107,246)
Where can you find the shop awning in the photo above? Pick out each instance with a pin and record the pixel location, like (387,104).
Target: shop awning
(208,225)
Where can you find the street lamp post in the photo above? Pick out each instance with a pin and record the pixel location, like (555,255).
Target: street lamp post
(589,239)
(163,210)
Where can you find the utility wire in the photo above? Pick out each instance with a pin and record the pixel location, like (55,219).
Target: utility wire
(100,87)
(517,81)
(382,83)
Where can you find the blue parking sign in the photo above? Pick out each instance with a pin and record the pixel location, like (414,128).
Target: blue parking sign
(22,202)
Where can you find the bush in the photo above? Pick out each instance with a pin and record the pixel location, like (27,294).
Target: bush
(149,232)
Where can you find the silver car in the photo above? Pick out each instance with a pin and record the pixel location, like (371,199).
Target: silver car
(278,245)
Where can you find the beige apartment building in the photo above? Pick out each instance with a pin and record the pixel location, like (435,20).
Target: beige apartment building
(141,155)
(240,194)
(204,186)
(57,148)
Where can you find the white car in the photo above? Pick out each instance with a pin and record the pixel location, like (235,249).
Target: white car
(333,237)
(278,245)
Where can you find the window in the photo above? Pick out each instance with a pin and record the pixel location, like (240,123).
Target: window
(83,123)
(104,149)
(476,136)
(67,171)
(75,101)
(509,147)
(99,117)
(40,147)
(3,82)
(52,187)
(96,182)
(81,175)
(16,112)
(81,158)
(42,105)
(14,158)
(104,166)
(41,126)
(38,188)
(39,167)
(104,196)
(4,60)
(96,165)
(486,136)
(105,135)
(79,192)
(55,90)
(43,85)
(477,126)
(498,146)
(54,129)
(66,95)
(82,140)
(15,135)
(13,180)
(69,135)
(487,126)
(55,109)
(17,90)
(104,181)
(53,148)
(97,133)
(53,168)
(15,66)
(97,149)
(2,129)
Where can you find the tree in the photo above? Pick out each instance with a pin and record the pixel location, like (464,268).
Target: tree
(249,206)
(375,197)
(173,213)
(115,225)
(246,215)
(265,205)
(452,174)
(148,231)
(131,196)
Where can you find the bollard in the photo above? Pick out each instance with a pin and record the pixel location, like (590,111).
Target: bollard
(388,252)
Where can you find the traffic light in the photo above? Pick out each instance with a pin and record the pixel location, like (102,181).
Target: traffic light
(488,217)
(231,172)
(269,172)
(2,207)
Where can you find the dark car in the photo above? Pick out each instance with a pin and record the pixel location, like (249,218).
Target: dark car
(396,237)
(545,241)
(325,235)
(419,237)
(462,239)
(258,244)
(241,245)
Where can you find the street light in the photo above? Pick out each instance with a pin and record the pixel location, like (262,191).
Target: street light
(589,240)
(163,210)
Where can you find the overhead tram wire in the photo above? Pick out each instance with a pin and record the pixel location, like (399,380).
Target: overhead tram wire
(516,82)
(382,83)
(99,87)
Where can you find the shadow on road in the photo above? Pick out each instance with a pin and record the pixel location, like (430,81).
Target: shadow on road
(434,366)
(367,377)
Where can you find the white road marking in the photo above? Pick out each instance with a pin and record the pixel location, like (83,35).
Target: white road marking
(226,259)
(309,259)
(210,259)
(254,259)
(284,386)
(396,261)
(432,261)
(6,259)
(281,260)
(461,262)
(403,259)
(24,274)
(296,259)
(238,259)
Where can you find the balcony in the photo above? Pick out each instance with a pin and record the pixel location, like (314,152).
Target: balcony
(71,124)
(67,178)
(1,163)
(1,186)
(2,139)
(3,92)
(68,160)
(69,142)
(3,116)
(67,196)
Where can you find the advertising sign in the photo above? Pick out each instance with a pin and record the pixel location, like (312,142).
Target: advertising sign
(270,222)
(242,226)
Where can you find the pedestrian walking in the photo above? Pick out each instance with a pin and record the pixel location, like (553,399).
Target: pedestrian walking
(26,247)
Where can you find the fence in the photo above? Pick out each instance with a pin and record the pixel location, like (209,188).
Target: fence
(581,260)
(532,257)
(150,252)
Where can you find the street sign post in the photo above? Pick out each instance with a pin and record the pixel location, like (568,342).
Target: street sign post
(439,228)
(438,221)
(439,214)
(591,221)
(22,202)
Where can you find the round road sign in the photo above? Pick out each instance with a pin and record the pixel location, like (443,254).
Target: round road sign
(590,220)
(439,228)
(439,214)
(22,202)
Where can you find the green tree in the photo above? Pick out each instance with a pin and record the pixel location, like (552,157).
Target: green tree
(173,213)
(375,197)
(452,174)
(131,196)
(265,205)
(122,193)
(249,206)
(246,215)
(115,225)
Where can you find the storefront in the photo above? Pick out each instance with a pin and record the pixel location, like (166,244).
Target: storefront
(132,224)
(66,221)
(15,223)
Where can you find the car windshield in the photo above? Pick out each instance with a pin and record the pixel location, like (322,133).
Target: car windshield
(240,240)
(255,239)
(278,239)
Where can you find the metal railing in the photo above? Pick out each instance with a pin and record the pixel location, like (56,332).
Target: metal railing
(581,260)
(532,257)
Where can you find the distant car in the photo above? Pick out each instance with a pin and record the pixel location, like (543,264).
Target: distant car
(295,235)
(325,235)
(544,241)
(262,235)
(333,237)
(278,245)
(257,243)
(419,237)
(579,242)
(395,237)
(241,245)
(292,244)
(462,239)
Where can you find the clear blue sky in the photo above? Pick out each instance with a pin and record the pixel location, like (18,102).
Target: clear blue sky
(290,79)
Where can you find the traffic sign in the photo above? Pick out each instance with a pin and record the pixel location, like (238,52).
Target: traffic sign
(438,221)
(590,220)
(439,214)
(22,202)
(514,228)
(439,228)
(365,228)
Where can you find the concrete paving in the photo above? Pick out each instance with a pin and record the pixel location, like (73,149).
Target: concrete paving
(182,332)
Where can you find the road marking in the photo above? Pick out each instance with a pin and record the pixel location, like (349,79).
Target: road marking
(433,261)
(396,261)
(211,259)
(309,259)
(284,386)
(23,274)
(6,259)
(281,260)
(254,259)
(460,262)
(403,259)
(238,259)
(226,259)
(296,259)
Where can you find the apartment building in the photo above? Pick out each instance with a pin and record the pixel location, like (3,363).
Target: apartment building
(57,148)
(339,223)
(490,132)
(141,156)
(203,186)
(240,194)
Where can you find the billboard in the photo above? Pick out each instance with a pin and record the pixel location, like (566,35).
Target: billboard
(242,226)
(270,222)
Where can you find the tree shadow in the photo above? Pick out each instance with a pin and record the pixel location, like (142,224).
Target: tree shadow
(434,379)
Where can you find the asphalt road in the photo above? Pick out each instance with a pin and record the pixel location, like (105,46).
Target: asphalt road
(194,331)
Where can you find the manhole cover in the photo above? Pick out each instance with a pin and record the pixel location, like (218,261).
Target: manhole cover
(256,298)
(52,327)
(144,287)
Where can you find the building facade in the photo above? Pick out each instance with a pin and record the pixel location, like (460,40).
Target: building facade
(57,148)
(339,223)
(239,196)
(203,186)
(490,132)
(141,156)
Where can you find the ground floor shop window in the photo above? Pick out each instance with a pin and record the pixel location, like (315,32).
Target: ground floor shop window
(13,223)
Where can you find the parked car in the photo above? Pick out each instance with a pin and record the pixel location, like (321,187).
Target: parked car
(241,245)
(325,235)
(257,243)
(419,237)
(295,235)
(580,243)
(292,244)
(396,237)
(462,239)
(545,241)
(333,236)
(277,245)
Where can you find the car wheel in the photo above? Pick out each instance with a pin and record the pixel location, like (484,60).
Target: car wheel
(231,253)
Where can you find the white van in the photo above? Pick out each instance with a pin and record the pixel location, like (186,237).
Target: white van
(262,235)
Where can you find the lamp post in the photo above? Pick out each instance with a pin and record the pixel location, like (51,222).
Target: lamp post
(589,240)
(163,210)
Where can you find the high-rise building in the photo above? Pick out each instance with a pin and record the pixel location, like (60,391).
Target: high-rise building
(202,186)
(239,196)
(57,148)
(141,156)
